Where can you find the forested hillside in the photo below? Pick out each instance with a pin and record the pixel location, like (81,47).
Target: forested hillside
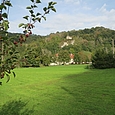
(42,50)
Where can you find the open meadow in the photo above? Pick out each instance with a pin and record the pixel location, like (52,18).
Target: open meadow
(59,90)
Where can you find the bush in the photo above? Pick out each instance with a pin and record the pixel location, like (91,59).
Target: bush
(103,60)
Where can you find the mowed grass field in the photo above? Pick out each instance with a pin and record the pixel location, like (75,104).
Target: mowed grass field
(59,90)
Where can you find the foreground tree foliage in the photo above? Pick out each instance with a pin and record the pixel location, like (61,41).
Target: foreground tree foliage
(9,53)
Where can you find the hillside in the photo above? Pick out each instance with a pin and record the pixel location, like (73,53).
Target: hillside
(39,50)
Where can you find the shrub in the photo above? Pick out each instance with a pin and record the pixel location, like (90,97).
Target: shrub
(102,60)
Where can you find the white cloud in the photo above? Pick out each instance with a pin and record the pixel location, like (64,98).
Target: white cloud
(65,22)
(77,2)
(103,8)
(109,16)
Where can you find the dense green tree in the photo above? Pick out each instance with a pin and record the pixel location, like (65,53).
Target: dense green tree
(77,58)
(45,60)
(53,47)
(63,56)
(102,60)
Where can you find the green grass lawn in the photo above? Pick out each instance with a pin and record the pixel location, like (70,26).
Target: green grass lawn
(59,90)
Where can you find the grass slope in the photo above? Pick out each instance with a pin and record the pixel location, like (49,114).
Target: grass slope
(59,90)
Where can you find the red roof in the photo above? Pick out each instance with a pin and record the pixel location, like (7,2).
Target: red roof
(71,56)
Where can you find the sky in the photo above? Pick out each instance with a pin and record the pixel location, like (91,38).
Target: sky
(70,15)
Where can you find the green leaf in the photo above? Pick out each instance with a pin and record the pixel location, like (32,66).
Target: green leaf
(5,25)
(33,15)
(53,9)
(8,3)
(32,0)
(5,15)
(45,9)
(28,7)
(38,1)
(20,25)
(31,11)
(26,17)
(38,14)
(50,7)
(2,7)
(39,19)
(33,19)
(35,6)
(44,17)
(50,3)
(54,3)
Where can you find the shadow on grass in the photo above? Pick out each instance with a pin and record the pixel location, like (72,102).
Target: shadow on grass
(15,108)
